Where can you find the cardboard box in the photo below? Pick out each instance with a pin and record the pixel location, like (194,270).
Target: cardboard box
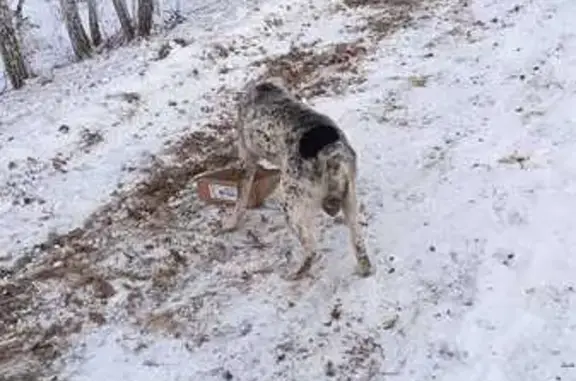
(223,186)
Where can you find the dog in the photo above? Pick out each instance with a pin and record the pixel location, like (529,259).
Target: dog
(317,166)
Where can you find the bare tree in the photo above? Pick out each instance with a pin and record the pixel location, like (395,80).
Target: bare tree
(134,10)
(10,48)
(93,23)
(76,32)
(124,17)
(145,12)
(158,6)
(18,13)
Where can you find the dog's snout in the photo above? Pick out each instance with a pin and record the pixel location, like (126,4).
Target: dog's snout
(331,206)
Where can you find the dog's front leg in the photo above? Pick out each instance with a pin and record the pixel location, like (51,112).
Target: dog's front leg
(249,166)
(242,202)
(249,172)
(350,209)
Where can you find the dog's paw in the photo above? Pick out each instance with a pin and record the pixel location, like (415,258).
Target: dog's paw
(364,268)
(291,276)
(230,224)
(301,271)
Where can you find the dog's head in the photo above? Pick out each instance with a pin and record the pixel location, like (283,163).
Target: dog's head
(260,91)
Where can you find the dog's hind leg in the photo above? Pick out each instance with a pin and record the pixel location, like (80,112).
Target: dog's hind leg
(350,210)
(299,219)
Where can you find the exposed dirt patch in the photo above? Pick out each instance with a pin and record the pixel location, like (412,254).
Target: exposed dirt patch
(70,284)
(380,3)
(313,71)
(515,158)
(20,187)
(384,17)
(209,148)
(89,139)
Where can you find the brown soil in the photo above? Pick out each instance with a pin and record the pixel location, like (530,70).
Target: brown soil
(312,71)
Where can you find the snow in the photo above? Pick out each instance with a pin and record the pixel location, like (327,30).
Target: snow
(467,177)
(87,96)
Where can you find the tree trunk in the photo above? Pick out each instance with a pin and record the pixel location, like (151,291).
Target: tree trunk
(124,17)
(76,32)
(18,14)
(93,22)
(158,8)
(134,11)
(145,12)
(10,48)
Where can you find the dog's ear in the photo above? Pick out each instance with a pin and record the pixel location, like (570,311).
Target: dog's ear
(267,90)
(237,96)
(277,81)
(267,87)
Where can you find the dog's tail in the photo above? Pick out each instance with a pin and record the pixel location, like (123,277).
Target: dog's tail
(339,172)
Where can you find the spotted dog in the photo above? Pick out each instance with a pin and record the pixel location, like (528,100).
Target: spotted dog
(317,166)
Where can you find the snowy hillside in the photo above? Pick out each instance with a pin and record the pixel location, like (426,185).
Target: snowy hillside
(461,113)
(47,45)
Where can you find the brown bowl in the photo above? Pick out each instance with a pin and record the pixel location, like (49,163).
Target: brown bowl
(223,186)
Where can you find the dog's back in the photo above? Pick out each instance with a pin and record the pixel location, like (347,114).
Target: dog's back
(282,129)
(273,113)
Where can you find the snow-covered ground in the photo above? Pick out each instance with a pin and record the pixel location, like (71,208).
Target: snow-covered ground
(43,129)
(465,133)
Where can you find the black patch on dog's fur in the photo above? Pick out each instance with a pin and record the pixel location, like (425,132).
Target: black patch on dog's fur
(316,138)
(331,205)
